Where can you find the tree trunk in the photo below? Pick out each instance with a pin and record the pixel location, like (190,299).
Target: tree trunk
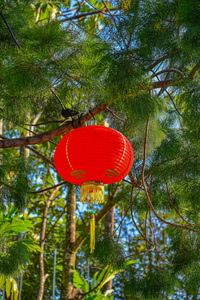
(67,290)
(109,228)
(44,276)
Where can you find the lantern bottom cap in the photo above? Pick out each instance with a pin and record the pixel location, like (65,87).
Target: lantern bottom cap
(92,192)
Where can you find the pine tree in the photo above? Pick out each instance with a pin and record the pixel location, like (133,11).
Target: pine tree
(142,62)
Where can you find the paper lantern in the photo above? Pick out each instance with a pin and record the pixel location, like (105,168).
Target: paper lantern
(92,156)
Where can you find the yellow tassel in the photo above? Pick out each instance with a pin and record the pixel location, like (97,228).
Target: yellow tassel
(91,192)
(92,233)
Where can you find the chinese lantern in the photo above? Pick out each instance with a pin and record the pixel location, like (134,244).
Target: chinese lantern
(92,156)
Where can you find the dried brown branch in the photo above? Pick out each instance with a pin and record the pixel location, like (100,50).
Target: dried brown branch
(121,227)
(7,185)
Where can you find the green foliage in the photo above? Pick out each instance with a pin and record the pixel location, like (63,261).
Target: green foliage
(151,285)
(17,252)
(10,286)
(80,282)
(99,280)
(16,172)
(102,59)
(107,251)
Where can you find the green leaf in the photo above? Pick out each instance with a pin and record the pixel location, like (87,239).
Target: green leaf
(80,282)
(102,274)
(94,279)
(59,267)
(130,262)
(8,287)
(2,281)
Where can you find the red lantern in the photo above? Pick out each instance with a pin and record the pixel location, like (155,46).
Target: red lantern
(92,156)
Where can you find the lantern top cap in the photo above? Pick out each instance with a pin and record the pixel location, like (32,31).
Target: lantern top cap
(96,122)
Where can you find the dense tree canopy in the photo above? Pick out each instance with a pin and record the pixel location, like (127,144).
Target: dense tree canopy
(135,64)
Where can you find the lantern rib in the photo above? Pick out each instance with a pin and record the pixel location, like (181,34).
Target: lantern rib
(67,151)
(123,152)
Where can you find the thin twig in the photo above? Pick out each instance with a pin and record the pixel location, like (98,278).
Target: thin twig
(120,230)
(163,58)
(157,250)
(138,229)
(167,71)
(114,115)
(169,196)
(47,189)
(121,222)
(147,194)
(54,225)
(163,89)
(173,103)
(28,130)
(10,30)
(35,151)
(114,261)
(84,15)
(58,99)
(193,71)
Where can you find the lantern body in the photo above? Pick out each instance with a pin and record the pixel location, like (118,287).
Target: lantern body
(93,153)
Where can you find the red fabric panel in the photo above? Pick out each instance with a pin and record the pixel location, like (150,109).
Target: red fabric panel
(87,153)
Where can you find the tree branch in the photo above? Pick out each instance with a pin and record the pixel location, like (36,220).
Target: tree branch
(163,58)
(193,71)
(112,262)
(47,189)
(167,71)
(163,89)
(86,14)
(138,229)
(10,30)
(49,135)
(114,115)
(173,102)
(56,221)
(169,196)
(33,150)
(161,84)
(147,194)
